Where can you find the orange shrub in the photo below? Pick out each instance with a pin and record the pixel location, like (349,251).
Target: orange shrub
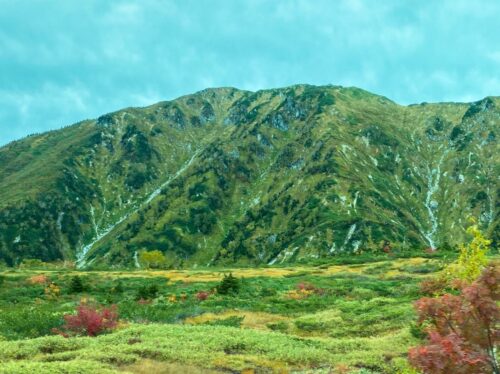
(39,279)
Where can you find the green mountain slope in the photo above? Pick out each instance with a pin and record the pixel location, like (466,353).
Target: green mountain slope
(228,176)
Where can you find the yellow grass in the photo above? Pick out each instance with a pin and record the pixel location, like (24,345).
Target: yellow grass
(253,320)
(190,276)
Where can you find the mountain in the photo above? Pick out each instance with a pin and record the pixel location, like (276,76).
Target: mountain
(226,176)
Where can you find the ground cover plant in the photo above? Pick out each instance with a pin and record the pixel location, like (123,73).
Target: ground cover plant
(342,318)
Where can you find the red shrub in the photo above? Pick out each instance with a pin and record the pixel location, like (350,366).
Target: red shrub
(39,279)
(310,288)
(462,330)
(89,321)
(304,286)
(434,286)
(202,295)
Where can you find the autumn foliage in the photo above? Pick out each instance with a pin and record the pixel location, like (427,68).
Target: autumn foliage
(472,257)
(152,259)
(89,321)
(40,279)
(202,295)
(304,290)
(462,330)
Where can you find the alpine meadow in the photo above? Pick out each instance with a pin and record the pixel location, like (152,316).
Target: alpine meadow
(284,230)
(250,187)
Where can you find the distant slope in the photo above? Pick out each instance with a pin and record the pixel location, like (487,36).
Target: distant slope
(228,176)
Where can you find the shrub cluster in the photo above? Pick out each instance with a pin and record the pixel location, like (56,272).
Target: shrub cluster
(228,285)
(147,292)
(76,285)
(89,321)
(462,330)
(303,290)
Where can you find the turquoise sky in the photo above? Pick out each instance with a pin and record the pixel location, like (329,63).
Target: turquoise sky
(64,61)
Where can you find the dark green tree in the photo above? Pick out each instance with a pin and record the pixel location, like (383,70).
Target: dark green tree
(228,285)
(147,292)
(76,285)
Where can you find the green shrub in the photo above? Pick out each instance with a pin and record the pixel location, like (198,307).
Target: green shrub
(147,292)
(228,285)
(233,321)
(118,289)
(76,285)
(422,269)
(267,291)
(17,323)
(278,326)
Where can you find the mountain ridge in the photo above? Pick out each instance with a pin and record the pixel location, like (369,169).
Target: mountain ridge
(234,202)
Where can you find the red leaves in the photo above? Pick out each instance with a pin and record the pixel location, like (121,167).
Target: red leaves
(202,295)
(90,321)
(309,287)
(433,287)
(305,286)
(447,354)
(463,329)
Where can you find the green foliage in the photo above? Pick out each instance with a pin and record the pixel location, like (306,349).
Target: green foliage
(152,259)
(422,269)
(29,322)
(233,321)
(147,292)
(76,285)
(204,346)
(276,171)
(229,285)
(30,263)
(472,258)
(281,326)
(268,292)
(118,288)
(358,320)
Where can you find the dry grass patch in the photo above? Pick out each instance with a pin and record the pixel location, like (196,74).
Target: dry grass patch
(253,320)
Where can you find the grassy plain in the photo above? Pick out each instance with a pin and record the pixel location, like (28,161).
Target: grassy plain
(352,318)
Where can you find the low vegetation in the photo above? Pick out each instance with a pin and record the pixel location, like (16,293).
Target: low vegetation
(378,315)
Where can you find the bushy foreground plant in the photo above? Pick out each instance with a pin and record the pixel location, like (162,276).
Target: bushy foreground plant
(472,258)
(29,322)
(89,321)
(462,330)
(471,262)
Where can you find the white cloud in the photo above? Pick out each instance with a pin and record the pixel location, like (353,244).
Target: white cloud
(79,60)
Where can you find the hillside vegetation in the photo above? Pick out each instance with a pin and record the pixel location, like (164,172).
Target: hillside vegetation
(226,176)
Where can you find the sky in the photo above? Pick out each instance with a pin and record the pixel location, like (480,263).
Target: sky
(65,61)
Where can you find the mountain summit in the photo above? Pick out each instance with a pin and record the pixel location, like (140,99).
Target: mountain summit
(226,176)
